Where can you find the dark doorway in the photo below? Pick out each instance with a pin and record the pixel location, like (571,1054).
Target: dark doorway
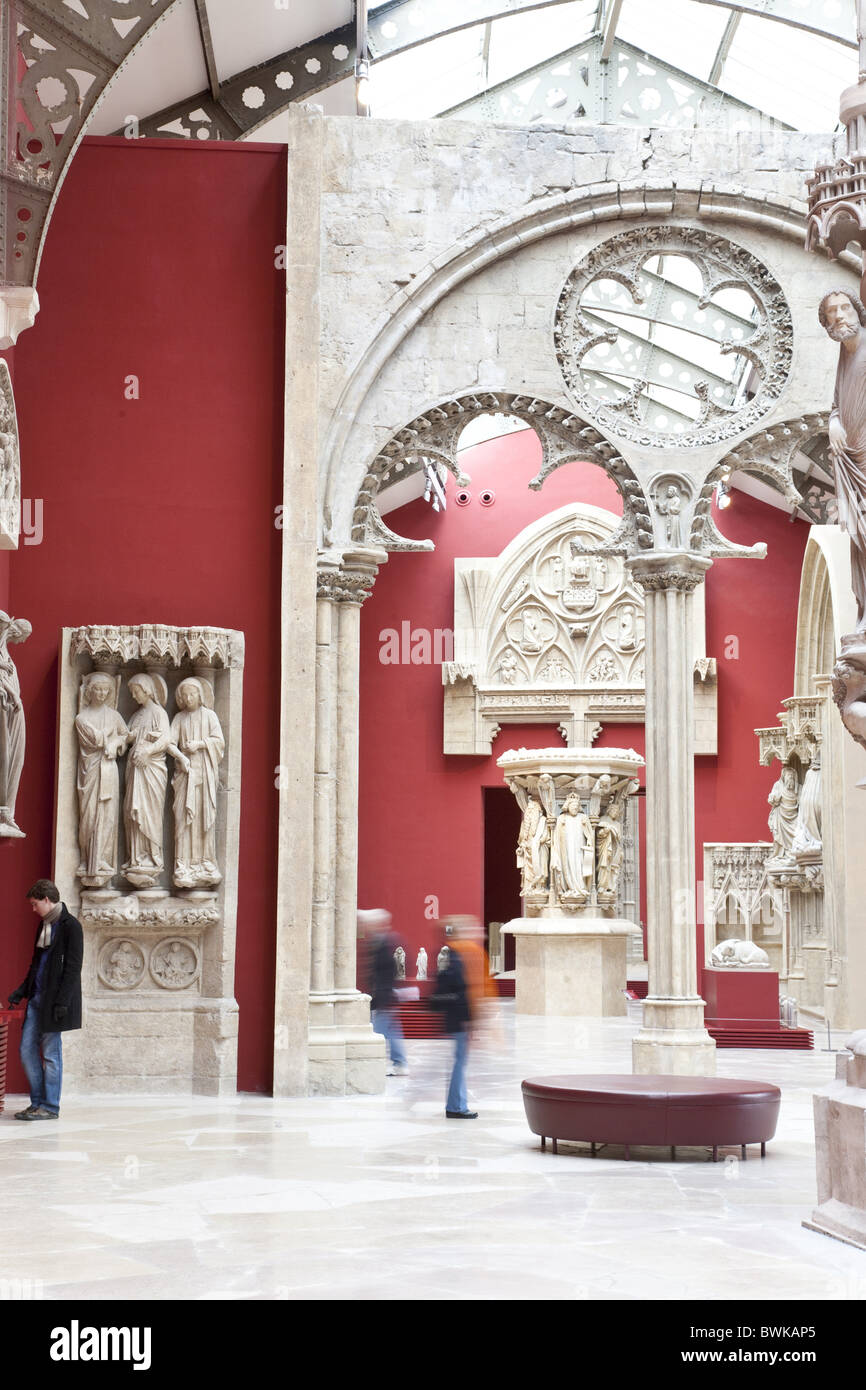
(502,899)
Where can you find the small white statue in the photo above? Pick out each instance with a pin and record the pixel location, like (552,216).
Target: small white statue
(734,953)
(400,962)
(421,965)
(442,959)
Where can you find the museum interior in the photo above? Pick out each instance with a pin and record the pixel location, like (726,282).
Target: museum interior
(433,435)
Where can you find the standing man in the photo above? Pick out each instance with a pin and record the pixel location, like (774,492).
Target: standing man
(53,991)
(375,923)
(843,316)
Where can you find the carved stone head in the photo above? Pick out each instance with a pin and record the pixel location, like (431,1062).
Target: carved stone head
(841,314)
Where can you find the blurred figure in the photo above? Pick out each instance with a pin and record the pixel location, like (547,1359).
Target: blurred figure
(375,926)
(460,988)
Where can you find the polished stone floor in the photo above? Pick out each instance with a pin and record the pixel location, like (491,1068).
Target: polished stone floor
(381,1197)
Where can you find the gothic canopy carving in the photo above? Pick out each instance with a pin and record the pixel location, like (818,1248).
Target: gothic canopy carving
(551,630)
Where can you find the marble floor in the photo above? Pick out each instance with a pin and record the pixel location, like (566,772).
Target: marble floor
(381,1197)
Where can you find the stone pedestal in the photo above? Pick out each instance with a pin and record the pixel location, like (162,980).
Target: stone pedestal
(840,1139)
(567,968)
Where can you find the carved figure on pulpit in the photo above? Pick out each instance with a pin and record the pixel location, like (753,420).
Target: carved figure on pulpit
(784,805)
(102,738)
(198,738)
(421,965)
(609,849)
(572,854)
(533,849)
(626,637)
(11,723)
(399,963)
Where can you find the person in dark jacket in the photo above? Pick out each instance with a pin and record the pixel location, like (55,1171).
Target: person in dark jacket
(452,1000)
(53,991)
(375,925)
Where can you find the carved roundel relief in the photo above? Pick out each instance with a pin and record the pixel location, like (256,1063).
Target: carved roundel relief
(121,964)
(174,963)
(673,336)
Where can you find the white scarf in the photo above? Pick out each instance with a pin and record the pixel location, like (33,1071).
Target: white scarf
(44,937)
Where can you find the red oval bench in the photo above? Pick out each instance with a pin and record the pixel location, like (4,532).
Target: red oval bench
(655,1110)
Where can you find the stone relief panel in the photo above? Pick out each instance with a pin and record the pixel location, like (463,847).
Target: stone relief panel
(10,465)
(12,724)
(146,844)
(673,336)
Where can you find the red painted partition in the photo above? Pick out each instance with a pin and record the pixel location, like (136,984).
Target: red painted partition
(158,492)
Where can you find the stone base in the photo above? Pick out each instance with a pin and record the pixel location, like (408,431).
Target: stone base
(571,967)
(840,1152)
(142,1045)
(346,1057)
(673,1040)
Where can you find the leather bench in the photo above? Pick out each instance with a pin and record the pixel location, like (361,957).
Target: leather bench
(697,1111)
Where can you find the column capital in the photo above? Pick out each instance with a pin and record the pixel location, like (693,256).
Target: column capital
(352,581)
(669,569)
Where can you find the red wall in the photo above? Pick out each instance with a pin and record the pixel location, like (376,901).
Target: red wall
(159,263)
(422,822)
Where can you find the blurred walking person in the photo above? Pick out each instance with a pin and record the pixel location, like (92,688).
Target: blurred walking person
(460,987)
(375,925)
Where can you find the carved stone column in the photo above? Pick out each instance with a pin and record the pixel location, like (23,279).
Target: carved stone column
(344,1052)
(673,1038)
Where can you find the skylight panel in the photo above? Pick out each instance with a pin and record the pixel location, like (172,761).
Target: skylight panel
(789,73)
(679,32)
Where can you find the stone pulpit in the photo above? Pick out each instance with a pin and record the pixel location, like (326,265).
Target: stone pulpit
(571,942)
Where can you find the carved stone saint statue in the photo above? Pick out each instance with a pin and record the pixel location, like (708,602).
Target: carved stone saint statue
(843,315)
(807,833)
(102,738)
(198,740)
(400,963)
(609,848)
(146,778)
(421,965)
(533,849)
(670,507)
(572,854)
(11,723)
(784,801)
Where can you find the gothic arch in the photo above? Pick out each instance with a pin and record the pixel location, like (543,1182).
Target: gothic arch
(565,438)
(477,250)
(826,606)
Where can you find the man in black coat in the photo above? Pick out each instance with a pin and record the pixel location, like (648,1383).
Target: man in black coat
(53,991)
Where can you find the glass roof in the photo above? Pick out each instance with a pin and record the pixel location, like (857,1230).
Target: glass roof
(786,72)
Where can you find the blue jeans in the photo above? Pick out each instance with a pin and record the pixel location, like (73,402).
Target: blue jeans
(42,1059)
(387,1022)
(457,1088)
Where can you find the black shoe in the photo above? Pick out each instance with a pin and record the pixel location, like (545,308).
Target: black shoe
(42,1114)
(26,1114)
(461,1114)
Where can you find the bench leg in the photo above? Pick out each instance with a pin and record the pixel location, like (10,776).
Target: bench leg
(743,1152)
(715,1153)
(673,1153)
(763,1149)
(592,1150)
(627,1152)
(553,1142)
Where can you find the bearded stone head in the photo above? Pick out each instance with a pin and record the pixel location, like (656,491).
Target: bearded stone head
(841,314)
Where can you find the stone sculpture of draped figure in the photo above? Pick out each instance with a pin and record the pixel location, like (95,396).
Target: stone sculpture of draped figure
(807,833)
(572,856)
(533,851)
(784,801)
(199,747)
(608,839)
(11,723)
(146,779)
(102,738)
